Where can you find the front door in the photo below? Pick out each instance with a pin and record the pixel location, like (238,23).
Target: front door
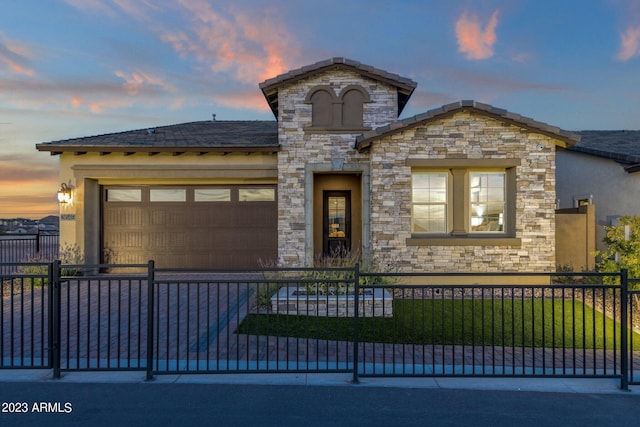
(336,235)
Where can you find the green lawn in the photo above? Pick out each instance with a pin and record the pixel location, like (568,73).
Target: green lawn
(529,323)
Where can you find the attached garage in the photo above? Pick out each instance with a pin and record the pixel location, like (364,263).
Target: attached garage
(191,195)
(221,227)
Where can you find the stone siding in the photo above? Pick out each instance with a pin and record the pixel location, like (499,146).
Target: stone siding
(465,136)
(301,146)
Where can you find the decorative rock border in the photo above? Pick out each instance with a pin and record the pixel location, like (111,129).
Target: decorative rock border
(374,302)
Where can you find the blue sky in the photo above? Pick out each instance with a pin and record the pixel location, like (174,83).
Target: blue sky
(72,68)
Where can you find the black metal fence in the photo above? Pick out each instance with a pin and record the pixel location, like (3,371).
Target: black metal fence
(101,320)
(73,318)
(20,248)
(633,298)
(569,330)
(25,313)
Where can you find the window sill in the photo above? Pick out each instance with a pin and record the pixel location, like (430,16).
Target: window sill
(464,241)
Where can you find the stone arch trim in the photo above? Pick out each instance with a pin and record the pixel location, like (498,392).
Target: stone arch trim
(319,88)
(365,95)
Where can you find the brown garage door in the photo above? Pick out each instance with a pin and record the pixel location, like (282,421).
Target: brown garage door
(190,226)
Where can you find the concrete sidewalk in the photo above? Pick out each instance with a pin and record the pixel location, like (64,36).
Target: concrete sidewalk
(555,385)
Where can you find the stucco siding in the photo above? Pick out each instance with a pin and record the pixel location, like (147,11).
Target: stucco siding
(615,192)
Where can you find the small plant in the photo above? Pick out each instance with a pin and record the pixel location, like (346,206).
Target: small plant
(71,255)
(623,249)
(332,275)
(68,255)
(566,268)
(341,282)
(264,292)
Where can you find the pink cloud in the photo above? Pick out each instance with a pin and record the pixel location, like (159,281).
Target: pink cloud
(15,57)
(239,45)
(93,6)
(473,41)
(243,100)
(629,44)
(138,9)
(250,47)
(138,81)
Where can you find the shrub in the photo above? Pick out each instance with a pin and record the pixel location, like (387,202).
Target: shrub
(68,255)
(623,251)
(326,278)
(334,282)
(566,268)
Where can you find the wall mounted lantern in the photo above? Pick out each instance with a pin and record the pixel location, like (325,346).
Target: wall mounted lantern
(65,193)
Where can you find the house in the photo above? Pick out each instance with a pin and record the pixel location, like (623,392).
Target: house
(464,187)
(603,170)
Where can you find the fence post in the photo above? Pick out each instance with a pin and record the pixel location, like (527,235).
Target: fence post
(624,304)
(150,306)
(55,317)
(356,319)
(50,314)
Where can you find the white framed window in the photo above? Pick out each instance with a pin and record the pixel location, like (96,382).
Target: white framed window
(463,201)
(487,198)
(430,200)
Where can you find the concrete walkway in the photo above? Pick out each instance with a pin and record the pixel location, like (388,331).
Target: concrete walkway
(554,385)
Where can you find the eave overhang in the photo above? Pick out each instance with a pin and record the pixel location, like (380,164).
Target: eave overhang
(563,138)
(150,150)
(270,87)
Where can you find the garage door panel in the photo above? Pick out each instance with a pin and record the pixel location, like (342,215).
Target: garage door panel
(167,241)
(126,239)
(256,216)
(126,216)
(204,234)
(168,216)
(128,257)
(212,215)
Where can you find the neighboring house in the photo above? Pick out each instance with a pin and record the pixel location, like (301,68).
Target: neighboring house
(602,169)
(465,187)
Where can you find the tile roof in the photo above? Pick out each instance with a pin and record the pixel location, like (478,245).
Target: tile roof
(404,85)
(204,136)
(620,145)
(365,140)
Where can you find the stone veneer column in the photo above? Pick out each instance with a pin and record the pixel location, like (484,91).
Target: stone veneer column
(302,146)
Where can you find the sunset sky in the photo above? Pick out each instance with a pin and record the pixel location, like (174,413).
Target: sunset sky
(71,68)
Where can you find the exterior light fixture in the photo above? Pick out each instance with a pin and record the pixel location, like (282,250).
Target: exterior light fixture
(65,193)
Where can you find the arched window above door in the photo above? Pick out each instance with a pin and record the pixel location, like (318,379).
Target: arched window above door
(339,113)
(353,99)
(322,99)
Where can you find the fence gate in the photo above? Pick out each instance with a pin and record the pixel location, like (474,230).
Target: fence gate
(100,321)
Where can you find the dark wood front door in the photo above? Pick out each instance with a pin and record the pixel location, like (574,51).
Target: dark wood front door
(336,223)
